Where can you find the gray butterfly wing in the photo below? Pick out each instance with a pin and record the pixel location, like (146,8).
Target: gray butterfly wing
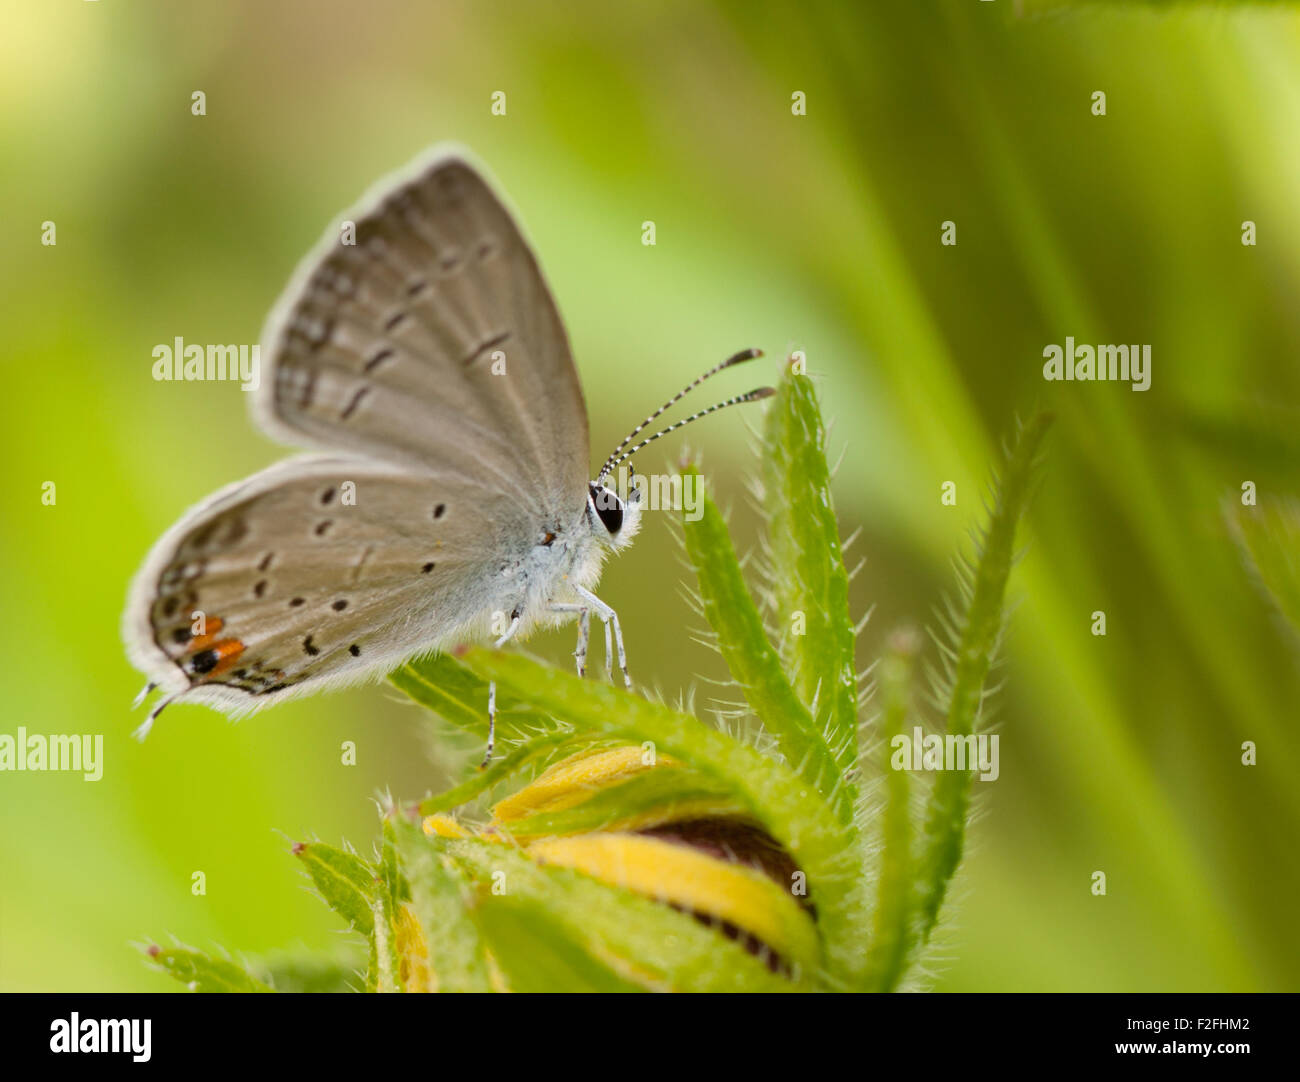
(433,339)
(321,570)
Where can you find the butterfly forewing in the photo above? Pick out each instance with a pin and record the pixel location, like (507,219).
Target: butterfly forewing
(432,338)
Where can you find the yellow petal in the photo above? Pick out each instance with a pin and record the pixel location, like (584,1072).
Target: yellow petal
(524,830)
(413,953)
(573,780)
(695,881)
(444,826)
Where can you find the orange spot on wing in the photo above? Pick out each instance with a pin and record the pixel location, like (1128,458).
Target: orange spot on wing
(208,639)
(228,651)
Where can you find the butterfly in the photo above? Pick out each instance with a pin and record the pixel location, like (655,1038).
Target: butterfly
(419,351)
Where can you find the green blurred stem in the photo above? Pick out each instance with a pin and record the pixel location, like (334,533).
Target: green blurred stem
(945,827)
(893,933)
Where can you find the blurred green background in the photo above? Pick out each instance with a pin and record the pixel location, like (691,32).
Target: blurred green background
(817,232)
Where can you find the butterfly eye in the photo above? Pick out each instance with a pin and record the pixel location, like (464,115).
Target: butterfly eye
(609,507)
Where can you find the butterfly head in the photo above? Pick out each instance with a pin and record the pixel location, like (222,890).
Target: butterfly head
(616,519)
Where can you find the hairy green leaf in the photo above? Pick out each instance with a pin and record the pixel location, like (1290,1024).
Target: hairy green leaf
(346,882)
(388,941)
(537,953)
(383,972)
(480,781)
(977,638)
(460,698)
(893,931)
(754,663)
(312,972)
(809,585)
(448,944)
(202,972)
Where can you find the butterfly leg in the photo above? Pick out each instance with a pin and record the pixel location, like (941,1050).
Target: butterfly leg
(492,691)
(584,631)
(609,656)
(584,636)
(611,626)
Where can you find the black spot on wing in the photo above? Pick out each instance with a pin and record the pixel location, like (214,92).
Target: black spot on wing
(484,347)
(308,388)
(353,403)
(204,662)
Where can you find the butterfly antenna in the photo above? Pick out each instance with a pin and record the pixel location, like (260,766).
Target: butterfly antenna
(736,358)
(749,396)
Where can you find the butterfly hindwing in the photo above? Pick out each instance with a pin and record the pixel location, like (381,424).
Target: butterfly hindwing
(320,570)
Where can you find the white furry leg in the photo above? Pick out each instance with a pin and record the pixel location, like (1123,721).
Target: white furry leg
(492,691)
(610,617)
(584,631)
